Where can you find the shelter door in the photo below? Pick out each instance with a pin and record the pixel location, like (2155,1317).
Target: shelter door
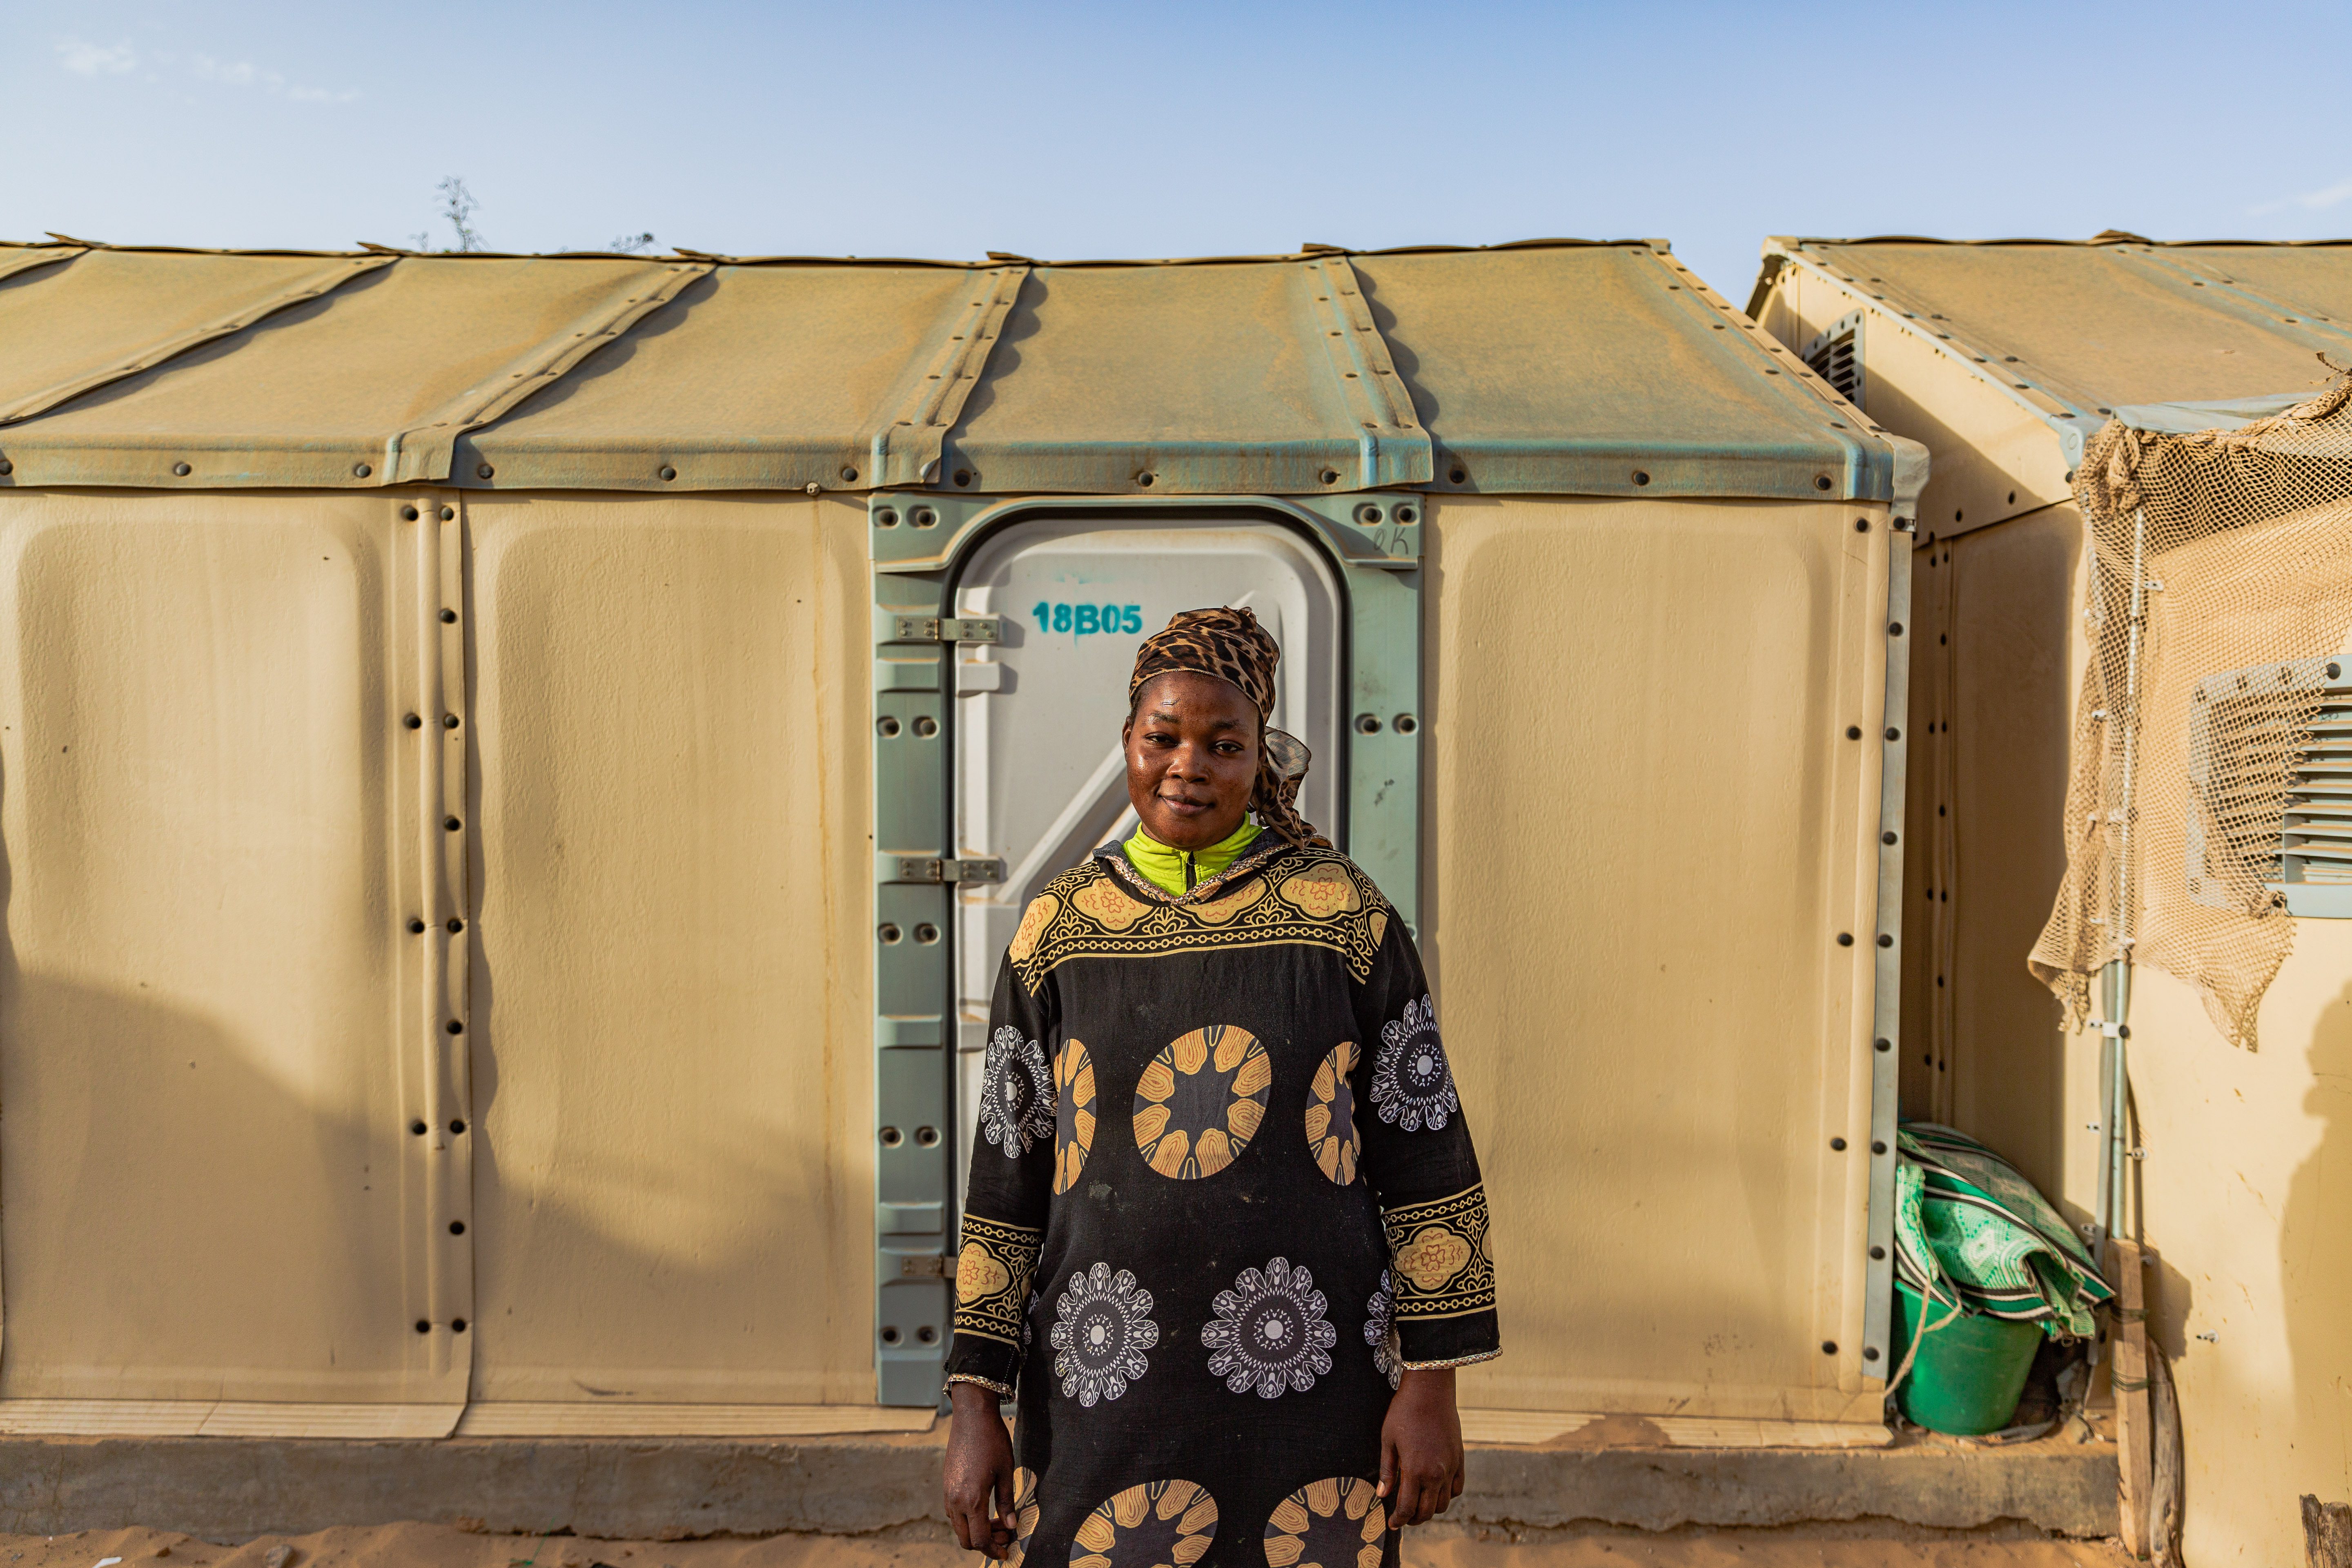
(1040,775)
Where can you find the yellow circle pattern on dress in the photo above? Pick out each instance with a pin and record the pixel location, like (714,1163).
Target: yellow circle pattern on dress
(1337,1522)
(1200,1103)
(1331,1114)
(1074,1114)
(1159,1524)
(1024,1516)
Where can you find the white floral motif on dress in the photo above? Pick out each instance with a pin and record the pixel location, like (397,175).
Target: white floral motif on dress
(1101,1328)
(1016,1097)
(1380,1332)
(1412,1083)
(1269,1333)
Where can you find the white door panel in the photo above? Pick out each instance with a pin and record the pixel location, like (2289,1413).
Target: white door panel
(1040,776)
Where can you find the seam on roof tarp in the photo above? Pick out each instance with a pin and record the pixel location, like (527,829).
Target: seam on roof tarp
(30,256)
(236,317)
(937,383)
(426,450)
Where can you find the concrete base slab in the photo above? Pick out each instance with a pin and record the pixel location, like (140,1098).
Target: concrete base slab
(670,1488)
(2057,1486)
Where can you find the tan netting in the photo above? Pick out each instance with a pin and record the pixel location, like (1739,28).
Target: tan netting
(2244,541)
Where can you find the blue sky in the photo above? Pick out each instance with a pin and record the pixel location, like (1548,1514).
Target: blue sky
(1063,131)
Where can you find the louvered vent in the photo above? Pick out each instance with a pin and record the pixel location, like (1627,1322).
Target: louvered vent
(1835,356)
(2315,839)
(2271,808)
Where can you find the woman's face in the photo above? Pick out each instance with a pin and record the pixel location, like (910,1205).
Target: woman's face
(1192,758)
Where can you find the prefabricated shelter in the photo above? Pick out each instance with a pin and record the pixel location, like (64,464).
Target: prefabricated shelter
(2048,381)
(518,770)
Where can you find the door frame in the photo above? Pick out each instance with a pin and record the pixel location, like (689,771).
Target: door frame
(919,544)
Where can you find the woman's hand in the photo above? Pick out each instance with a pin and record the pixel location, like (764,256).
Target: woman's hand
(980,1470)
(1420,1448)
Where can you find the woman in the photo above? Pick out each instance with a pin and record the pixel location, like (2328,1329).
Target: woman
(1224,1228)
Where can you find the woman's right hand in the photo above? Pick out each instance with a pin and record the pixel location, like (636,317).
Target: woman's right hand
(979,1472)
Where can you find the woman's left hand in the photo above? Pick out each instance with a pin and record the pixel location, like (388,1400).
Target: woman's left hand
(1420,1448)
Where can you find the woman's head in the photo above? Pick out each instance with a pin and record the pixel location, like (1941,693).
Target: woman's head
(1198,705)
(1192,758)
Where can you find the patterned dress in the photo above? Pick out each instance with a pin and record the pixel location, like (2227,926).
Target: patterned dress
(1221,1195)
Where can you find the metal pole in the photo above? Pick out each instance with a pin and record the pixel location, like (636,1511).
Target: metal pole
(2114,979)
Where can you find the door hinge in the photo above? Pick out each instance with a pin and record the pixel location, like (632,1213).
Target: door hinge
(933,868)
(947,628)
(931,1266)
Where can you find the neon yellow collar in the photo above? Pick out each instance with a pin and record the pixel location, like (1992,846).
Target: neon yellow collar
(1179,871)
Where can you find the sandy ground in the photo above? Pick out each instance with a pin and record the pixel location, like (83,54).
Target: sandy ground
(442,1546)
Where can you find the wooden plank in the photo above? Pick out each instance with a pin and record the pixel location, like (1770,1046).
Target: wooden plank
(2127,1273)
(2326,1533)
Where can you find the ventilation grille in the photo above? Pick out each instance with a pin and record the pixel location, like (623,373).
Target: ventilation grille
(1835,356)
(2316,839)
(2270,765)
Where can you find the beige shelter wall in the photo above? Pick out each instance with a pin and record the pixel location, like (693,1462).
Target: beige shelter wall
(671,1056)
(2246,1194)
(1992,455)
(215,1031)
(1994,677)
(203,1165)
(1647,826)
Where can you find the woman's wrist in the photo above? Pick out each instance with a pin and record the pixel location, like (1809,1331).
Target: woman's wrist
(1428,1380)
(973,1396)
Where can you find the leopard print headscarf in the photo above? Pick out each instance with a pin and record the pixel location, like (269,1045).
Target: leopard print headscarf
(1230,646)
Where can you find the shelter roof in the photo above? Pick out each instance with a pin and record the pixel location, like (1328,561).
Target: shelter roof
(2084,327)
(1552,366)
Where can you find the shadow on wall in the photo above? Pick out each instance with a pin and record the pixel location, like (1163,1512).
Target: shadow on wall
(179,1225)
(2315,1261)
(183,1221)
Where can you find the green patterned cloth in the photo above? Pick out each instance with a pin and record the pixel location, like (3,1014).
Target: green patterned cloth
(1968,1229)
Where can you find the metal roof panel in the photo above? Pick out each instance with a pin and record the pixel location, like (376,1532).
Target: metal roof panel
(1213,377)
(112,314)
(2121,321)
(319,392)
(1575,368)
(2310,281)
(1608,370)
(761,377)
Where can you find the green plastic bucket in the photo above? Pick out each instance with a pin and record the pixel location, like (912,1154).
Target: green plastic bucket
(1969,1371)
